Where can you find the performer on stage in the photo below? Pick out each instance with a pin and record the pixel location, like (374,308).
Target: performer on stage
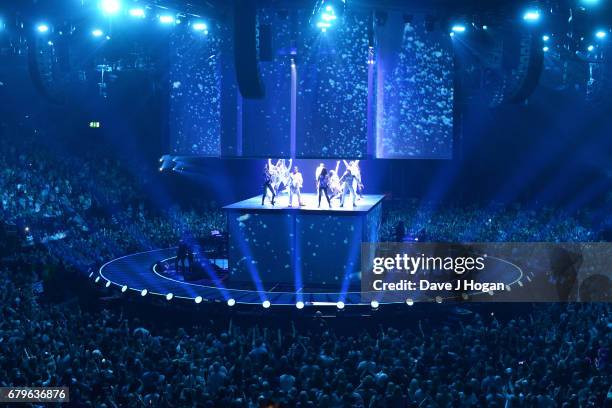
(295,186)
(280,174)
(348,180)
(267,184)
(323,183)
(353,166)
(335,187)
(317,174)
(182,253)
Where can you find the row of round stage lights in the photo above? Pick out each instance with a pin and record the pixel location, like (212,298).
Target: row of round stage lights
(113,7)
(374,304)
(533,16)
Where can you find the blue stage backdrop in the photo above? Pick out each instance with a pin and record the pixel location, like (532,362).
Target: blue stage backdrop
(414,101)
(266,122)
(332,88)
(195,93)
(409,87)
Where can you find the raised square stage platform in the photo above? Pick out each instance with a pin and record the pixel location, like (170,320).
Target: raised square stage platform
(304,246)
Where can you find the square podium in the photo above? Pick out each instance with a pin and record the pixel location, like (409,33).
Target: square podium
(300,246)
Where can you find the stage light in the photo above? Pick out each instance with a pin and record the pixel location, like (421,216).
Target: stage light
(600,34)
(161,169)
(42,28)
(545,37)
(137,12)
(231,302)
(409,302)
(110,6)
(590,48)
(108,283)
(97,33)
(374,304)
(169,296)
(97,279)
(531,15)
(166,19)
(323,25)
(299,305)
(49,42)
(545,49)
(484,27)
(340,305)
(124,288)
(458,28)
(589,2)
(326,16)
(144,292)
(200,27)
(452,34)
(27,229)
(266,304)
(198,299)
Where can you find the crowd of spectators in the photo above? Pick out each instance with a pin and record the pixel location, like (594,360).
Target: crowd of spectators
(84,211)
(557,355)
(80,213)
(485,224)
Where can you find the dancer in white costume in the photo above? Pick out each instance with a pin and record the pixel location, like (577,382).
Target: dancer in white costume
(295,186)
(353,166)
(348,187)
(335,187)
(282,174)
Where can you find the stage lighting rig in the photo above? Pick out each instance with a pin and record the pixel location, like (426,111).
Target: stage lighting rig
(110,7)
(458,28)
(42,28)
(532,15)
(137,12)
(327,13)
(167,19)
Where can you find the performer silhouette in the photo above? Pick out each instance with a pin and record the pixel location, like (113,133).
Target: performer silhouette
(182,253)
(322,183)
(267,184)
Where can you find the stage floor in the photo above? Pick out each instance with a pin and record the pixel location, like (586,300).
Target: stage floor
(150,270)
(364,205)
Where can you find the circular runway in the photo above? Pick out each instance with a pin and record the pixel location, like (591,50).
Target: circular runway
(147,271)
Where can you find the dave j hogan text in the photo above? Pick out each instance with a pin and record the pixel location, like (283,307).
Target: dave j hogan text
(426,285)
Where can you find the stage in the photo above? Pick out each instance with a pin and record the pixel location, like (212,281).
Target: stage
(364,205)
(153,271)
(313,246)
(282,256)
